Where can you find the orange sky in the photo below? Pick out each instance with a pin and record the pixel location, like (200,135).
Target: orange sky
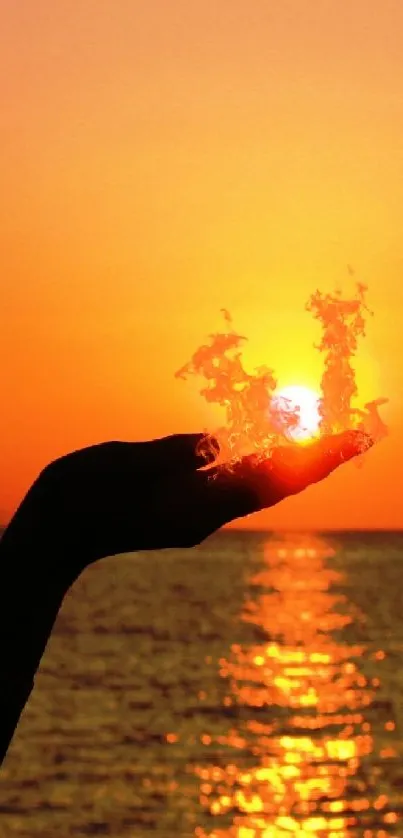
(161,160)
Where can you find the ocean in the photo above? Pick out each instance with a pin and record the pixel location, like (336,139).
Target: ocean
(249,688)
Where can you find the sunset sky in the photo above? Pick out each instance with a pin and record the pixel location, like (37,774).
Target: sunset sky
(161,160)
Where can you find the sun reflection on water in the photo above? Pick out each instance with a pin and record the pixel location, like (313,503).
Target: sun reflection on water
(295,762)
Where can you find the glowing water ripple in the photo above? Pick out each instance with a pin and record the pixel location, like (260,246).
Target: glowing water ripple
(303,746)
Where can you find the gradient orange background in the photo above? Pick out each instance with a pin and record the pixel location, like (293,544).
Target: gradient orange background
(163,159)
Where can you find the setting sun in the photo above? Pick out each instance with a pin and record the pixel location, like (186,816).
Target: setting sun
(304,402)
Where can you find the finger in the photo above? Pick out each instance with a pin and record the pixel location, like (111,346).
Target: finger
(294,467)
(300,466)
(126,460)
(180,452)
(330,452)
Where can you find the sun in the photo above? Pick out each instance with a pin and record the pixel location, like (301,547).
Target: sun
(306,402)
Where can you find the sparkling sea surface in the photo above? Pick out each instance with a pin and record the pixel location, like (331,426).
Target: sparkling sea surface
(249,688)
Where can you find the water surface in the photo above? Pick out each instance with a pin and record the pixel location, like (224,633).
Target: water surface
(249,688)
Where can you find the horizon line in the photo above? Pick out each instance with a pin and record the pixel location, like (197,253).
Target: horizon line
(292,529)
(312,530)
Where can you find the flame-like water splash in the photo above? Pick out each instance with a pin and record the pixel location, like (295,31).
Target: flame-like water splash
(343,323)
(255,419)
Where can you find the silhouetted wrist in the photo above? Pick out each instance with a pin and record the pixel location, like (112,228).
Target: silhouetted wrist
(30,599)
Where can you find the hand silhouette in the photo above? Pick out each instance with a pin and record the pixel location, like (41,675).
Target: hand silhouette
(120,497)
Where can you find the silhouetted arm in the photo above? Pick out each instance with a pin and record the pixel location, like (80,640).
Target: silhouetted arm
(121,497)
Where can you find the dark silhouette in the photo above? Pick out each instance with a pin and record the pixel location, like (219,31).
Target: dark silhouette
(120,497)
